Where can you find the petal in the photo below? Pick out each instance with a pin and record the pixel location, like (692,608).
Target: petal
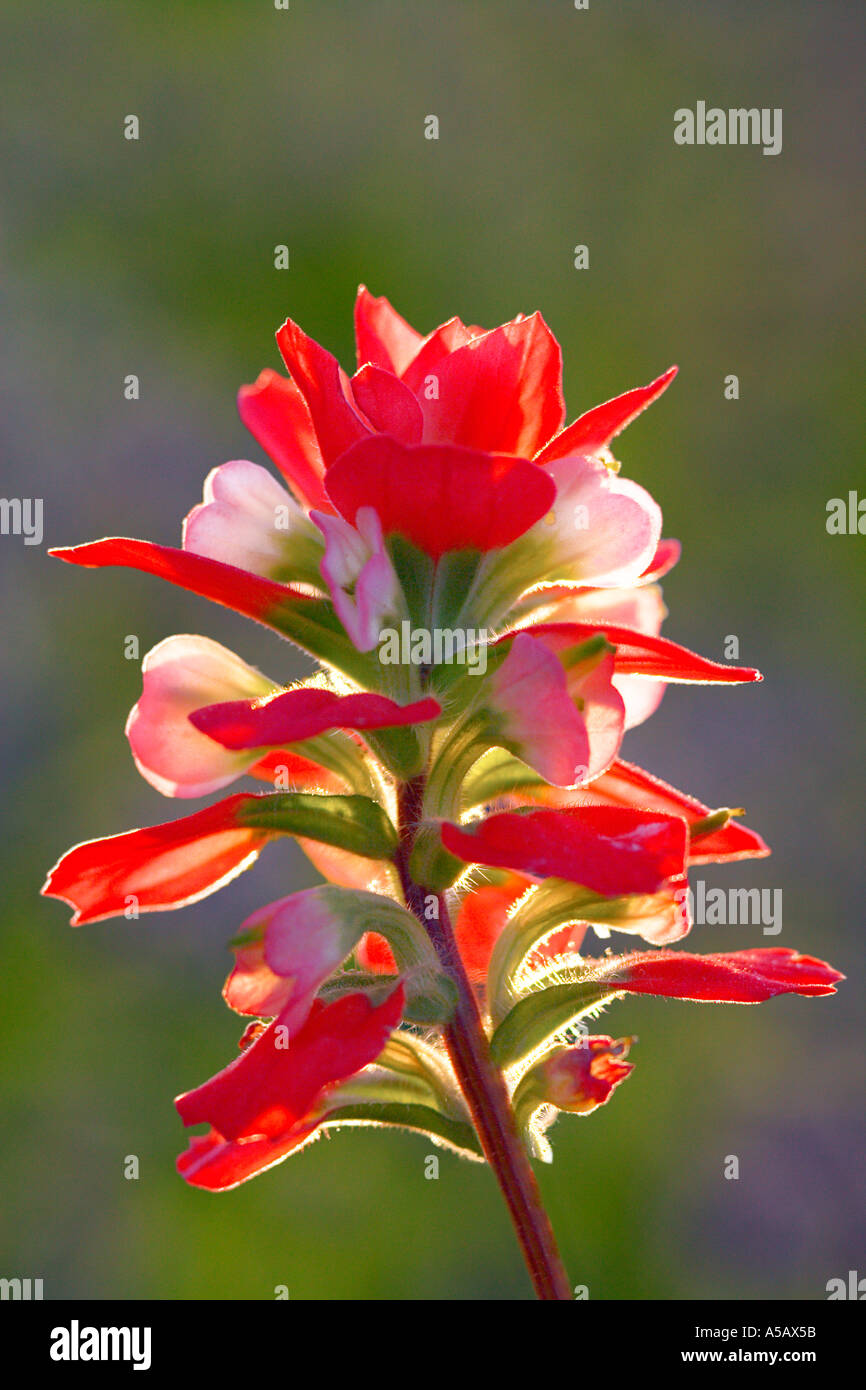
(603,712)
(388,405)
(605,528)
(324,387)
(217,1164)
(638,608)
(307,935)
(623,784)
(294,945)
(345,869)
(253,988)
(289,716)
(609,850)
(159,867)
(178,676)
(434,350)
(289,771)
(483,913)
(238,589)
(641,609)
(382,336)
(500,392)
(170,865)
(270,1098)
(357,560)
(667,555)
(640,654)
(239,521)
(594,430)
(276,414)
(579,1079)
(736,977)
(627,785)
(539,721)
(439,497)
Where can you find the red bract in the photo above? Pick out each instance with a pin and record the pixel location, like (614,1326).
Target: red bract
(293,715)
(609,850)
(247,593)
(477,584)
(738,977)
(595,430)
(271,1098)
(276,413)
(638,654)
(160,867)
(625,785)
(413,490)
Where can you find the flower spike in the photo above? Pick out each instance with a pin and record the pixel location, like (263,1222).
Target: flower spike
(478,584)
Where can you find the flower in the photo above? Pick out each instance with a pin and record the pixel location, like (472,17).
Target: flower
(438,488)
(568,731)
(498,391)
(273,1097)
(357,569)
(579,1079)
(179,675)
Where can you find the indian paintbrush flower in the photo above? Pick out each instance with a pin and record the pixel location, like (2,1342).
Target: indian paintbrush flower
(440,487)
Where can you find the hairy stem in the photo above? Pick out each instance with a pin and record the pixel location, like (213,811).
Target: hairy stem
(481,1081)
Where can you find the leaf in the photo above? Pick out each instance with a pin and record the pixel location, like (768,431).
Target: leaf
(541,1015)
(496,774)
(420,1118)
(557,903)
(354,823)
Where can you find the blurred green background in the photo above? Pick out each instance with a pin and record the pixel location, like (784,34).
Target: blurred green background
(305,127)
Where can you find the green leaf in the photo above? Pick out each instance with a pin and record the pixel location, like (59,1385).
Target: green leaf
(406,1054)
(313,626)
(354,823)
(714,820)
(556,903)
(340,754)
(402,749)
(430,863)
(541,1015)
(495,775)
(414,570)
(453,579)
(420,1118)
(404,1087)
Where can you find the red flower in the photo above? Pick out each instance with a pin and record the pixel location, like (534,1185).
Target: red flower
(413,489)
(738,977)
(609,850)
(271,1098)
(579,1079)
(292,715)
(499,391)
(435,492)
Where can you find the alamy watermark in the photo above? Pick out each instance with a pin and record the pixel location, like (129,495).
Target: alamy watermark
(738,125)
(20,1289)
(422,646)
(77,1343)
(22,516)
(732,907)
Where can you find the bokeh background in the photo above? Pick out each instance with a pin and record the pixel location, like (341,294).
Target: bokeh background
(305,127)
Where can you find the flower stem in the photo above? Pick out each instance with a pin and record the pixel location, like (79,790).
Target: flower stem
(481,1082)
